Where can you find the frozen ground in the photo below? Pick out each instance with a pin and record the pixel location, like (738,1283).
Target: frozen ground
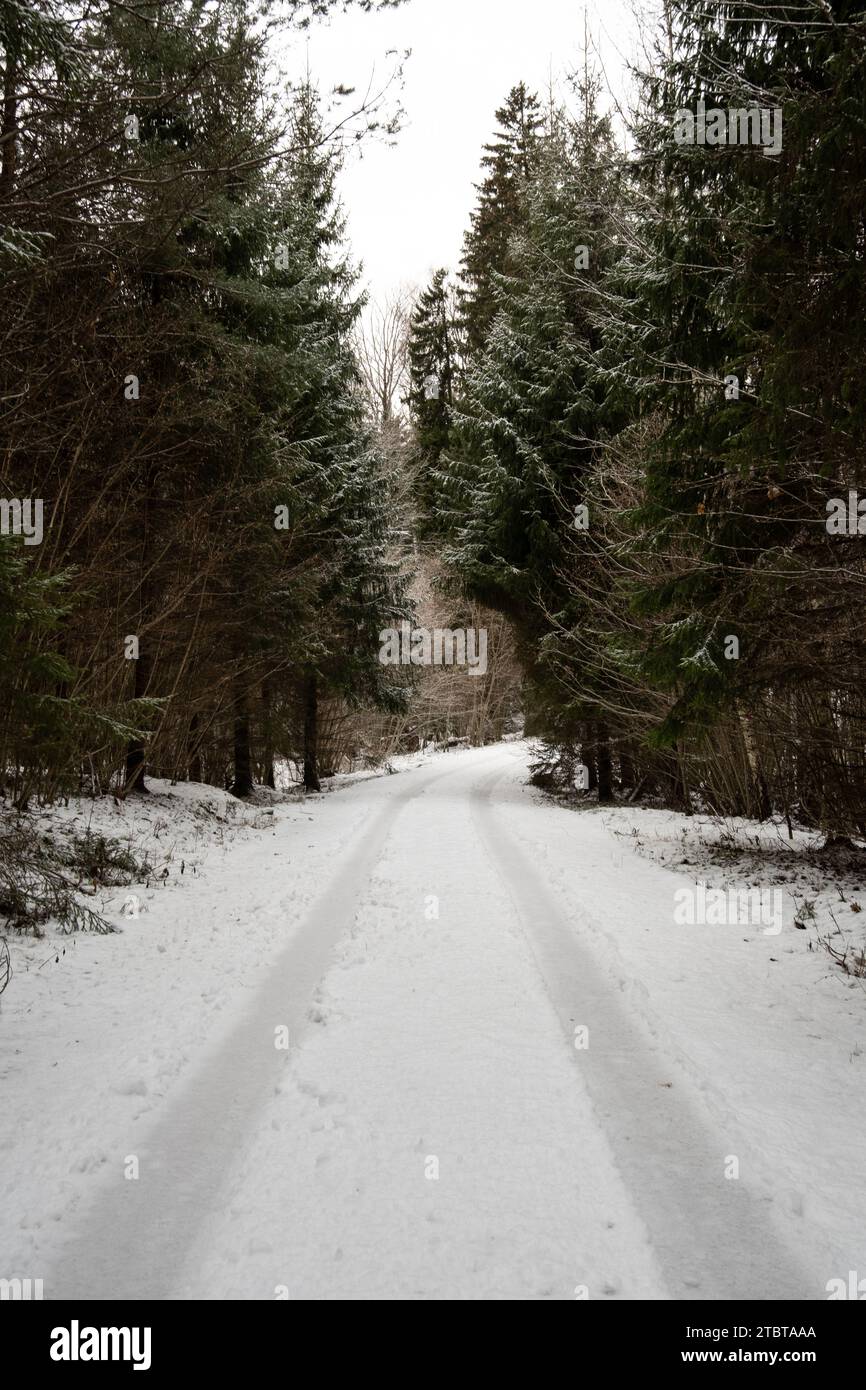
(510,1073)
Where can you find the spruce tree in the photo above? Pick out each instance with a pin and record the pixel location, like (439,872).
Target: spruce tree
(527,424)
(734,326)
(433,372)
(508,161)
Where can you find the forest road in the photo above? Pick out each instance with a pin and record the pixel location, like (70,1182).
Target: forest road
(439,1126)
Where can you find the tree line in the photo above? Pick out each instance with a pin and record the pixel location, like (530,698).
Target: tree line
(181,395)
(649,411)
(633,420)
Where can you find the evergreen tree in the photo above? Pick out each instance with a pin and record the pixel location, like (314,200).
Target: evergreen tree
(183,313)
(528,422)
(433,370)
(729,328)
(509,162)
(342,486)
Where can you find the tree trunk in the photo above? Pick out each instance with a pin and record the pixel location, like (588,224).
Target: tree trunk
(605,771)
(268,776)
(592,768)
(673,783)
(626,767)
(684,785)
(136,757)
(194,751)
(8,129)
(243,783)
(311,733)
(761,804)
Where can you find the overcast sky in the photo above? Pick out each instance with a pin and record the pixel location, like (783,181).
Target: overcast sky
(408,206)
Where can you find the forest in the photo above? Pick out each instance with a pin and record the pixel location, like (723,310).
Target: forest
(433,669)
(623,436)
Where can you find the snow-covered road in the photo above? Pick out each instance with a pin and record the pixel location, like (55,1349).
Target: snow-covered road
(440,1125)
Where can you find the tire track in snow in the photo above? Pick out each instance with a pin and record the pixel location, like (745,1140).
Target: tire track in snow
(710,1236)
(132,1243)
(440,1044)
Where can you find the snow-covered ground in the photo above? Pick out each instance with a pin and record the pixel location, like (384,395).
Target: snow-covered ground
(510,1072)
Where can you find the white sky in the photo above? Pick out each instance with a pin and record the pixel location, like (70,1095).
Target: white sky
(408,206)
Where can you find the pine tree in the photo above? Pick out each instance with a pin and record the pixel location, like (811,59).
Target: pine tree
(509,162)
(730,332)
(527,423)
(433,370)
(183,327)
(342,485)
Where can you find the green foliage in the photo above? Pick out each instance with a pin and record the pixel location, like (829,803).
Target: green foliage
(689,398)
(509,163)
(230,512)
(434,353)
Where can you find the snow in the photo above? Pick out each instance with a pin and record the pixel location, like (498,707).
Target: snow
(431,941)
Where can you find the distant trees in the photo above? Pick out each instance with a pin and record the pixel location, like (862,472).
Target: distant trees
(434,352)
(382,347)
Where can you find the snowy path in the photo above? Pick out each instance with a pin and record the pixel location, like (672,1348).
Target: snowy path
(432,1131)
(668,1155)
